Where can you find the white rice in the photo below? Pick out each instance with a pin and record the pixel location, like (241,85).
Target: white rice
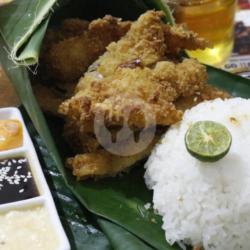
(205,203)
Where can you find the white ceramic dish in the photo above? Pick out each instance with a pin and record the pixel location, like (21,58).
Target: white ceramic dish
(44,198)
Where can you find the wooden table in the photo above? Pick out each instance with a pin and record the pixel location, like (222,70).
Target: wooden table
(8,95)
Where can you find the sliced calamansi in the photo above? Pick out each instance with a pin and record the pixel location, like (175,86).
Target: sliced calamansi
(208,140)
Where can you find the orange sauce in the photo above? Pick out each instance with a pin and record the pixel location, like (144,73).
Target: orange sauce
(213,20)
(11,134)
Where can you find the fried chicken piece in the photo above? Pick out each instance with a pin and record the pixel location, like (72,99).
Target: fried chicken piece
(179,37)
(50,96)
(102,163)
(137,84)
(140,91)
(67,59)
(67,52)
(145,94)
(207,93)
(61,57)
(69,28)
(149,40)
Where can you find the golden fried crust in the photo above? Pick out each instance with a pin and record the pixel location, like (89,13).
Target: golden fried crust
(141,96)
(138,91)
(136,76)
(69,51)
(205,94)
(179,37)
(110,24)
(84,140)
(102,163)
(67,59)
(145,41)
(66,54)
(185,77)
(148,40)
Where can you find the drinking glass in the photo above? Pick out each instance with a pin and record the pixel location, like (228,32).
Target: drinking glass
(213,20)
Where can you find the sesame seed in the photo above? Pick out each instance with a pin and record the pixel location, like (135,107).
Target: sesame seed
(16,180)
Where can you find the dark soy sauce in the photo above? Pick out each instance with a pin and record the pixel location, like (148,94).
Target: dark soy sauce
(16,180)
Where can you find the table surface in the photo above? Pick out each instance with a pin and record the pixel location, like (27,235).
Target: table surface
(8,96)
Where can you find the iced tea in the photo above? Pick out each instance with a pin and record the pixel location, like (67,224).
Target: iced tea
(213,20)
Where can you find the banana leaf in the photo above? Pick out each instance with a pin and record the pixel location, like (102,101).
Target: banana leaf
(116,204)
(23,25)
(116,235)
(74,217)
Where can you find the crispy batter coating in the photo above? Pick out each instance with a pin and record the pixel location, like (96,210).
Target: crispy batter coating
(69,52)
(179,37)
(50,97)
(102,163)
(207,93)
(66,54)
(149,40)
(136,83)
(140,91)
(69,49)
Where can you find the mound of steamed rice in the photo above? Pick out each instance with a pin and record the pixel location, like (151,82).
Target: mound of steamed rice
(205,203)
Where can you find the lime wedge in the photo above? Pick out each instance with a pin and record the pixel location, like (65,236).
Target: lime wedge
(208,141)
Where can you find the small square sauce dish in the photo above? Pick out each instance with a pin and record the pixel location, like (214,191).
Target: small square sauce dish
(28,216)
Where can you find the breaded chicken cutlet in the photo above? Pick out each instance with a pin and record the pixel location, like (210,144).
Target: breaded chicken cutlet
(68,57)
(140,75)
(66,54)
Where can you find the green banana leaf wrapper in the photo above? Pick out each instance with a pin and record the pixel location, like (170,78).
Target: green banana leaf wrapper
(110,213)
